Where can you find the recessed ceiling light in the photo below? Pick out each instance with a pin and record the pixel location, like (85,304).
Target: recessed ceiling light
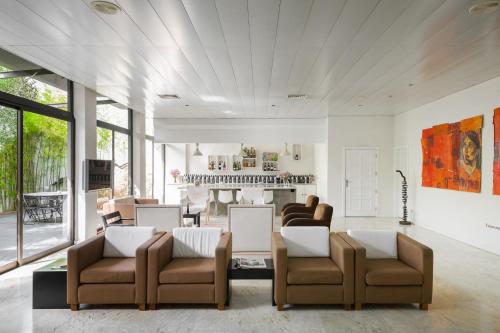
(169,96)
(105,7)
(411,84)
(297,96)
(360,105)
(484,7)
(187,105)
(274,105)
(227,112)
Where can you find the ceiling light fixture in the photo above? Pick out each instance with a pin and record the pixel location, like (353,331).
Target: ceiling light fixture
(169,96)
(286,152)
(105,7)
(484,7)
(297,96)
(197,151)
(228,112)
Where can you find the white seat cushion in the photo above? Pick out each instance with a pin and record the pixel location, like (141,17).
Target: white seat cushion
(307,241)
(121,242)
(195,242)
(379,244)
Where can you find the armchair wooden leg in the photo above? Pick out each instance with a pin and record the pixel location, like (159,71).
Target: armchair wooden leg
(280,307)
(347,307)
(424,307)
(220,306)
(357,306)
(74,307)
(142,307)
(152,306)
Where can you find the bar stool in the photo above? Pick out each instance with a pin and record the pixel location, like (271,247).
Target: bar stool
(268,197)
(238,196)
(225,197)
(253,196)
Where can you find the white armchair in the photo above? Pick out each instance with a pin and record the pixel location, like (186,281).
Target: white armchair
(251,226)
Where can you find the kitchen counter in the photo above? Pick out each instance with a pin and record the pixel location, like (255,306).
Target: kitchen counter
(236,186)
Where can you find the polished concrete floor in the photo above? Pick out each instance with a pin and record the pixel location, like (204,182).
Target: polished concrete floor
(466,299)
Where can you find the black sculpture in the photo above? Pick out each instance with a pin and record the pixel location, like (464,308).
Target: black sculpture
(404,197)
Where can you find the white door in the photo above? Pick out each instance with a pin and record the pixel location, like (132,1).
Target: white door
(361,181)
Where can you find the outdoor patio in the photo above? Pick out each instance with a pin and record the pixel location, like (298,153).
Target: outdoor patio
(37,237)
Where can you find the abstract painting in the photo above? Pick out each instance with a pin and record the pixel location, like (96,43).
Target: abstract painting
(496,158)
(452,155)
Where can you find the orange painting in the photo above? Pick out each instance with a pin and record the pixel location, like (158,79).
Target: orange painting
(496,160)
(452,155)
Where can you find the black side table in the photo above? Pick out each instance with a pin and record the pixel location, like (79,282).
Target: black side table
(236,273)
(49,286)
(194,216)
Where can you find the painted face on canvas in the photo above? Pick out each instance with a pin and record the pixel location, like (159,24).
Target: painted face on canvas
(469,151)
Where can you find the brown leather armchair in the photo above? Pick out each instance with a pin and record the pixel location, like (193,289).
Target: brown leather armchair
(94,279)
(315,280)
(407,279)
(294,207)
(187,280)
(322,217)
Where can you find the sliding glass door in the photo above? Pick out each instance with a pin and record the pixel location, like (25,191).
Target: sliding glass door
(8,187)
(46,167)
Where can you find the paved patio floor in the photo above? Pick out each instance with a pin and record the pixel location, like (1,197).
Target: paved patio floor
(37,237)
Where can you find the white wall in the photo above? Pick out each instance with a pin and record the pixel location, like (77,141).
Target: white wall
(321,170)
(459,215)
(256,131)
(366,131)
(199,164)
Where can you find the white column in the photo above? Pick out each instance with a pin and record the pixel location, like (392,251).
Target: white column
(139,157)
(85,148)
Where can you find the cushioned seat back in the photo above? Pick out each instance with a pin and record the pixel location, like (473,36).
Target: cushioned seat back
(312,201)
(379,244)
(323,212)
(195,242)
(307,241)
(121,242)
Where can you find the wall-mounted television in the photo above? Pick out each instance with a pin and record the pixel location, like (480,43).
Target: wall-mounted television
(98,174)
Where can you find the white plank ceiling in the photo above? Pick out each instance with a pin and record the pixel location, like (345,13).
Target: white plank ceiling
(241,58)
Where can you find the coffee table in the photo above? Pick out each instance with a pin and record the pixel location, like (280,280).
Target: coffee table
(49,286)
(236,273)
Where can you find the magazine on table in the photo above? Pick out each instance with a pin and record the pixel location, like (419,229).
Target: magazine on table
(250,263)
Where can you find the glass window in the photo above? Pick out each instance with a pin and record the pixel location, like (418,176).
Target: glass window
(46,166)
(121,161)
(112,113)
(149,168)
(25,79)
(104,152)
(8,185)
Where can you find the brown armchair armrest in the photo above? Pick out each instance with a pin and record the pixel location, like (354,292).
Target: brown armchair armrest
(159,255)
(223,255)
(307,222)
(298,209)
(343,255)
(141,268)
(81,256)
(421,258)
(290,204)
(280,262)
(359,267)
(292,216)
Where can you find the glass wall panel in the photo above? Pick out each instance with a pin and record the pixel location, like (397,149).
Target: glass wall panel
(114,114)
(46,166)
(149,168)
(8,185)
(104,152)
(25,79)
(121,161)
